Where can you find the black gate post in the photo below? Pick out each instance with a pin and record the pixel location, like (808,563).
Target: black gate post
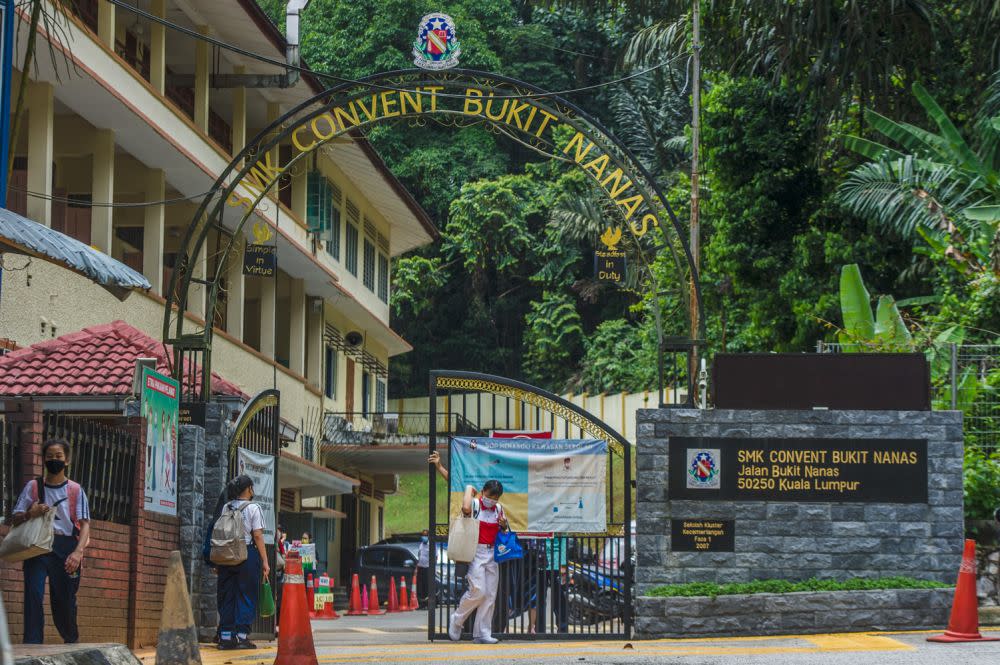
(432,517)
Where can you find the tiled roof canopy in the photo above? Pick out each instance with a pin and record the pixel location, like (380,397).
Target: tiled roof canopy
(94,361)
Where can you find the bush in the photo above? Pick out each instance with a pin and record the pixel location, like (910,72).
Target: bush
(784,586)
(982,483)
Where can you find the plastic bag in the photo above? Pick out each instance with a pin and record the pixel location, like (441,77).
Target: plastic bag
(265,603)
(29,539)
(507,547)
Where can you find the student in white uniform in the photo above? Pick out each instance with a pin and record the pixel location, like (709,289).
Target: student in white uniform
(481,592)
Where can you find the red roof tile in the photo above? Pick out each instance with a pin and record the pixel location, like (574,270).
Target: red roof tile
(94,361)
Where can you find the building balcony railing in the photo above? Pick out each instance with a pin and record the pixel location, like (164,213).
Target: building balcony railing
(347,429)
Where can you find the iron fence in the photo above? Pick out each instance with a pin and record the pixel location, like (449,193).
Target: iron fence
(10,481)
(354,429)
(965,377)
(103,461)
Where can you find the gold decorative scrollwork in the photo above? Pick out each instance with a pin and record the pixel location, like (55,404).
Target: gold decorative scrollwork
(534,399)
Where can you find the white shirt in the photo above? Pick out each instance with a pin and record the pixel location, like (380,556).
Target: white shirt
(424,555)
(253,518)
(58,496)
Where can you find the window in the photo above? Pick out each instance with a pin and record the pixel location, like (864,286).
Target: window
(332,234)
(308,447)
(351,253)
(317,202)
(379,396)
(373,558)
(330,369)
(381,531)
(365,525)
(366,391)
(369,275)
(383,278)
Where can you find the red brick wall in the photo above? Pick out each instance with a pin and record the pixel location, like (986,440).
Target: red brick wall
(121,589)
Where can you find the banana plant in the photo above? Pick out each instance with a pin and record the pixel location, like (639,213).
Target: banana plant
(865,331)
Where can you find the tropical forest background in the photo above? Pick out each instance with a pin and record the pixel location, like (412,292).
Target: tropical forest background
(834,132)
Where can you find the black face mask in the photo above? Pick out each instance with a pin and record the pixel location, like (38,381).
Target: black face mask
(55,466)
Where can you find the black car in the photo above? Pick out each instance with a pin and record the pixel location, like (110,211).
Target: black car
(396,560)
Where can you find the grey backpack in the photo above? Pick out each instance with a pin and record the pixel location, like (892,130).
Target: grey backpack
(229,547)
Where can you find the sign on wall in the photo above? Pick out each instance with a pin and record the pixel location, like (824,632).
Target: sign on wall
(160,404)
(261,469)
(702,535)
(860,470)
(554,485)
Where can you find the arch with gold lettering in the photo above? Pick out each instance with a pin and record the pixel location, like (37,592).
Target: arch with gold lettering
(525,113)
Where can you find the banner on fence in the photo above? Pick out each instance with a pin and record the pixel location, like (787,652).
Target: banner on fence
(261,469)
(550,485)
(160,404)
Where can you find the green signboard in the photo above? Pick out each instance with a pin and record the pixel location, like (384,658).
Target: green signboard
(160,406)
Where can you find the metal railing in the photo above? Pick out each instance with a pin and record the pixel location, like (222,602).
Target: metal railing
(971,383)
(342,428)
(10,477)
(103,462)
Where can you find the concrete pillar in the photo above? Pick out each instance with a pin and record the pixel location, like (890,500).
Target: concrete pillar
(106,24)
(239,125)
(314,342)
(153,226)
(273,113)
(297,327)
(268,313)
(158,47)
(103,190)
(201,89)
(236,286)
(40,150)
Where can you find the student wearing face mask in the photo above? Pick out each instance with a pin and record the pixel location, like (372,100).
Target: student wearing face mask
(423,567)
(62,565)
(481,593)
(239,585)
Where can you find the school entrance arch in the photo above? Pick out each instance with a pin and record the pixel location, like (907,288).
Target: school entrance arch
(639,216)
(575,585)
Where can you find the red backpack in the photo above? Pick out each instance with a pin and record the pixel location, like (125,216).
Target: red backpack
(72,491)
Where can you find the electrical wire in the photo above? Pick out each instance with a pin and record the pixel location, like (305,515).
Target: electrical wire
(379,86)
(91,204)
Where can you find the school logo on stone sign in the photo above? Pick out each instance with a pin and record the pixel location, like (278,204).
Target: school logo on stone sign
(436,46)
(703,470)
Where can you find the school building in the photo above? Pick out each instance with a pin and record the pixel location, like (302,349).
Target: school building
(123,110)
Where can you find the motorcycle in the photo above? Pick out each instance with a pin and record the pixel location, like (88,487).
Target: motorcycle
(595,594)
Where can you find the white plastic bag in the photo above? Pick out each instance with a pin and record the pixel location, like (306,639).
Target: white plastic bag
(463,536)
(29,539)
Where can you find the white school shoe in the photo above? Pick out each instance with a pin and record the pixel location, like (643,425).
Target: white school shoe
(454,630)
(485,639)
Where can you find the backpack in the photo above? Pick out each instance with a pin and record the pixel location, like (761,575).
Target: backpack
(229,548)
(73,494)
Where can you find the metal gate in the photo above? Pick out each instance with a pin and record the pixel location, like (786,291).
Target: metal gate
(258,430)
(570,586)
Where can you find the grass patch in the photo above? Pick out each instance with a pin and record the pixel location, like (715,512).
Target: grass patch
(406,510)
(784,586)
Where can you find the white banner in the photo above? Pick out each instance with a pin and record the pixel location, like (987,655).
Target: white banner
(261,469)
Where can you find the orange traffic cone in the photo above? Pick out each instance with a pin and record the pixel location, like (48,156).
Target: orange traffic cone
(374,607)
(295,641)
(326,599)
(963,625)
(392,604)
(414,601)
(404,600)
(310,596)
(354,608)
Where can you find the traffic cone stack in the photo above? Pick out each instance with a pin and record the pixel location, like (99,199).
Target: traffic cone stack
(310,596)
(354,608)
(404,600)
(295,641)
(364,599)
(414,601)
(374,606)
(392,603)
(326,599)
(963,625)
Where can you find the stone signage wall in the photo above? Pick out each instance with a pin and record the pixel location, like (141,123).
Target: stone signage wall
(884,499)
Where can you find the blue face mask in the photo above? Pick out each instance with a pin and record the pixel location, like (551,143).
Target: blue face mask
(423,539)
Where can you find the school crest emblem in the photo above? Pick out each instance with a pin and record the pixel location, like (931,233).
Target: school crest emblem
(703,469)
(436,46)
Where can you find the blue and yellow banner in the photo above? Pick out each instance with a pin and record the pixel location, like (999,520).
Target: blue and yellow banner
(550,485)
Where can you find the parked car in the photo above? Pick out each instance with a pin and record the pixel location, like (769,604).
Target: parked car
(395,560)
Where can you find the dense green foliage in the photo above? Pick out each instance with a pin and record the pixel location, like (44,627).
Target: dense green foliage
(712,589)
(833,133)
